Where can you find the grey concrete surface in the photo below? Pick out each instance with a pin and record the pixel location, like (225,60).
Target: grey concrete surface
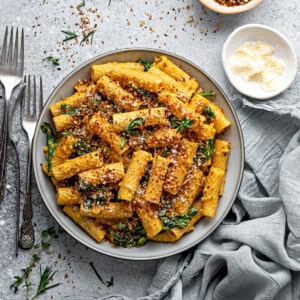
(180,26)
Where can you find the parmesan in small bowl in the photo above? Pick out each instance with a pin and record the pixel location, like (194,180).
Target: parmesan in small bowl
(259,61)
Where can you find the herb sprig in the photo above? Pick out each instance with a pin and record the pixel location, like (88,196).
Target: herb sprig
(46,275)
(69,35)
(181,125)
(89,35)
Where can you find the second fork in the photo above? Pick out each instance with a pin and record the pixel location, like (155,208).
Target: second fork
(32,104)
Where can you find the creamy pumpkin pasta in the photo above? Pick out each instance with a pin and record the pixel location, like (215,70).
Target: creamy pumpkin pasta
(135,154)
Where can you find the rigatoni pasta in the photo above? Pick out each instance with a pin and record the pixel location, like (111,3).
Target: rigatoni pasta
(135,154)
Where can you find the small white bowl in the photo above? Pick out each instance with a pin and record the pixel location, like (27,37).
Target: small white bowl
(226,10)
(283,50)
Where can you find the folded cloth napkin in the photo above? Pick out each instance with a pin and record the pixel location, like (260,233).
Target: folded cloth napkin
(255,252)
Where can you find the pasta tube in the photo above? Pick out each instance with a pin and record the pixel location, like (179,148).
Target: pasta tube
(149,218)
(151,117)
(111,173)
(156,179)
(211,191)
(163,137)
(110,210)
(220,158)
(67,196)
(78,164)
(189,191)
(167,66)
(220,120)
(133,175)
(97,71)
(92,227)
(180,110)
(63,122)
(180,167)
(100,126)
(62,152)
(114,92)
(73,101)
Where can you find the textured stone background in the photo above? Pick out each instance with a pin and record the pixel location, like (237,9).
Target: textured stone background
(183,27)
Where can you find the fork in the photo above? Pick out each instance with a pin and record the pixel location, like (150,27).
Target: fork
(11,75)
(29,121)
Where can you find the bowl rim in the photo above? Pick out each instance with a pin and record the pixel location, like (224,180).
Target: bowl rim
(240,137)
(294,66)
(227,10)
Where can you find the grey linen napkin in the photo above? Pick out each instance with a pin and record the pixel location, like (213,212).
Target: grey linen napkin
(255,252)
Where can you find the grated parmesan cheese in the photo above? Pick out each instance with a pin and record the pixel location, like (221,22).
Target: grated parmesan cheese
(254,61)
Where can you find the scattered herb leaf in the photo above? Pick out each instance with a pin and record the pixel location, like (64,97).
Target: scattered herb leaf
(90,34)
(70,35)
(54,60)
(81,4)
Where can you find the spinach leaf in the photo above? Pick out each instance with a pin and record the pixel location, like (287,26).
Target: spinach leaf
(180,221)
(181,125)
(205,151)
(130,129)
(129,237)
(147,65)
(209,112)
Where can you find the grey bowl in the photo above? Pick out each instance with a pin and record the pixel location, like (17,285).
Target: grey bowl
(152,250)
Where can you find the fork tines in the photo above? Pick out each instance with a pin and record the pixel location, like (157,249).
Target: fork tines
(34,93)
(12,58)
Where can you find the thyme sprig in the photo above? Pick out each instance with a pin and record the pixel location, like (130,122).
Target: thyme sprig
(46,275)
(89,35)
(69,35)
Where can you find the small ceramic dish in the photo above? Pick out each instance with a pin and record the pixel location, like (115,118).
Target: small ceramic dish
(283,51)
(222,9)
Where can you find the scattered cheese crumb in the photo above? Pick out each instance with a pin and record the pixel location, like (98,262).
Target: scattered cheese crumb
(254,61)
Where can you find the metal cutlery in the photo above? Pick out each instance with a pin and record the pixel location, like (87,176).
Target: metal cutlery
(32,104)
(11,75)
